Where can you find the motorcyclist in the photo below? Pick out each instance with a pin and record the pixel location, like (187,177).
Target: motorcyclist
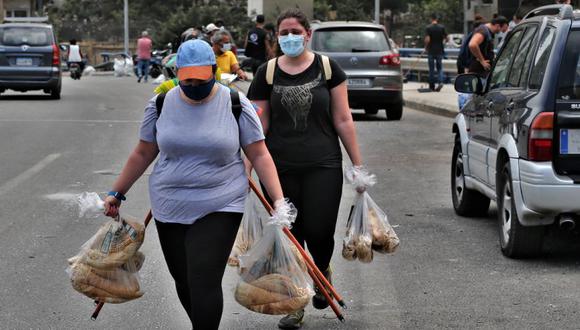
(74,54)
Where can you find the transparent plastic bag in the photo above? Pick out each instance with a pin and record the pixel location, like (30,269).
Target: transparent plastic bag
(273,275)
(368,229)
(106,268)
(250,230)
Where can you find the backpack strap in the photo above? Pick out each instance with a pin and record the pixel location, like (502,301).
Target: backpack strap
(326,67)
(159,103)
(236,104)
(270,71)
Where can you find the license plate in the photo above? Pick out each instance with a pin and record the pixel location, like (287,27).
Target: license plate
(23,61)
(359,82)
(570,141)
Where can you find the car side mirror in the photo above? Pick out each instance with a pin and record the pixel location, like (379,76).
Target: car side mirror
(469,83)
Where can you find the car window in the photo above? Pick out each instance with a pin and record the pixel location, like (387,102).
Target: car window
(542,57)
(501,69)
(32,36)
(349,40)
(519,70)
(569,82)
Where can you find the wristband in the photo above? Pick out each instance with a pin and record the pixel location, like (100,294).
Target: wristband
(117,195)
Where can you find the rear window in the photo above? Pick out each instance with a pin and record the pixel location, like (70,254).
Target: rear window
(32,36)
(347,40)
(569,88)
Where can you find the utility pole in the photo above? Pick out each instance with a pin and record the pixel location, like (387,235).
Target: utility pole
(126,16)
(1,11)
(377,5)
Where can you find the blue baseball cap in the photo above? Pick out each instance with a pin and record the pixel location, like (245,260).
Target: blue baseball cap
(195,59)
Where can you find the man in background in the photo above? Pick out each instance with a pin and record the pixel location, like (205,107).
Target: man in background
(257,45)
(144,45)
(435,38)
(481,45)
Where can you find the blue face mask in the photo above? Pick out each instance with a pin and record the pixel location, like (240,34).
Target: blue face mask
(198,92)
(292,45)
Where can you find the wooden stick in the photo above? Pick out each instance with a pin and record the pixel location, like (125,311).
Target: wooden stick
(102,303)
(306,257)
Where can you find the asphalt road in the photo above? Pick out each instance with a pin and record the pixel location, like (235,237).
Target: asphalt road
(448,272)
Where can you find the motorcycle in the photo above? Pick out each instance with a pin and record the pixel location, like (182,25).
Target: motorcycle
(155,63)
(75,71)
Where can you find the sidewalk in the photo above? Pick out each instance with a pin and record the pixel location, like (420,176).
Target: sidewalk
(443,103)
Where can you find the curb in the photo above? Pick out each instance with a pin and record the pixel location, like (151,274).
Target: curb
(436,109)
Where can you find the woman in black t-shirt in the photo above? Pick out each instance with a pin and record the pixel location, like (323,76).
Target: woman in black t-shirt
(304,116)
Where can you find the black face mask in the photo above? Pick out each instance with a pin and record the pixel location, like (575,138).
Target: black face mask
(198,92)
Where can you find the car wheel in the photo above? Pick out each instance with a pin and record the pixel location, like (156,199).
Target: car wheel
(516,241)
(55,93)
(371,110)
(395,111)
(466,202)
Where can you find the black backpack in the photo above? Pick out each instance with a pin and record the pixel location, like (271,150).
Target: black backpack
(234,95)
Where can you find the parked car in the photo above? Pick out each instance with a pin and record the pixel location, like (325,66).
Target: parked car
(517,141)
(371,64)
(29,57)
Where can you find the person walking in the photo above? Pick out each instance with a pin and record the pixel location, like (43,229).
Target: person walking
(481,45)
(257,44)
(305,113)
(144,45)
(435,39)
(198,185)
(226,59)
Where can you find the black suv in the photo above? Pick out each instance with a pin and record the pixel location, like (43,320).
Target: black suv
(29,58)
(517,141)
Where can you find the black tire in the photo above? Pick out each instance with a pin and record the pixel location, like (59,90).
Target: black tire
(516,241)
(466,202)
(55,93)
(371,110)
(155,72)
(395,111)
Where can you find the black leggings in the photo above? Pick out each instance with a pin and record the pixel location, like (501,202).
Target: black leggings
(196,256)
(316,194)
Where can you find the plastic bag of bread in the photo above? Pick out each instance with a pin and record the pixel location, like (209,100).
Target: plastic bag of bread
(273,275)
(250,230)
(106,268)
(384,238)
(357,243)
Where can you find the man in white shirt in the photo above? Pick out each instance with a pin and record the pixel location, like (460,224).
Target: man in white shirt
(74,54)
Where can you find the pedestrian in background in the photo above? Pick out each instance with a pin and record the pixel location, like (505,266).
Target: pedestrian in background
(305,113)
(144,46)
(435,38)
(210,30)
(270,29)
(198,185)
(226,59)
(481,45)
(257,44)
(75,55)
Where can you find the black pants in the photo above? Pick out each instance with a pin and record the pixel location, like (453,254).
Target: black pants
(316,194)
(196,256)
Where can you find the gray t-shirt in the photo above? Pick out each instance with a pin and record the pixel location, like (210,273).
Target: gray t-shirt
(199,169)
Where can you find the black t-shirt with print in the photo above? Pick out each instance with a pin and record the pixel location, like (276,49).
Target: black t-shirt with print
(301,132)
(256,46)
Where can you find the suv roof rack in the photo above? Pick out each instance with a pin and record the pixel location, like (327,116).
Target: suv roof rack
(41,19)
(562,11)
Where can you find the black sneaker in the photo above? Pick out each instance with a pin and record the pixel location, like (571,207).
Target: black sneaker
(319,301)
(439,88)
(292,321)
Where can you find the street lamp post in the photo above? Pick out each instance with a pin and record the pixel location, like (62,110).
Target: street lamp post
(126,17)
(377,4)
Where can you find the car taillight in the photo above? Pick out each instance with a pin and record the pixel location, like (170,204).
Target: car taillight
(541,137)
(390,59)
(55,55)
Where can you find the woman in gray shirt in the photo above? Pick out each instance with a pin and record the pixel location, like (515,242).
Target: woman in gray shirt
(198,184)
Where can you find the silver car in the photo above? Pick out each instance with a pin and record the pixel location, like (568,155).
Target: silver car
(372,66)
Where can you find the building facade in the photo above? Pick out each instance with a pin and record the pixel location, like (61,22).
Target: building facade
(271,8)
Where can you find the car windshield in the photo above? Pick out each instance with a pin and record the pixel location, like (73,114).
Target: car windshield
(569,88)
(349,40)
(32,36)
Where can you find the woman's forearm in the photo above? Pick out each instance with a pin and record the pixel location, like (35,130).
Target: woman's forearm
(133,169)
(266,170)
(347,134)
